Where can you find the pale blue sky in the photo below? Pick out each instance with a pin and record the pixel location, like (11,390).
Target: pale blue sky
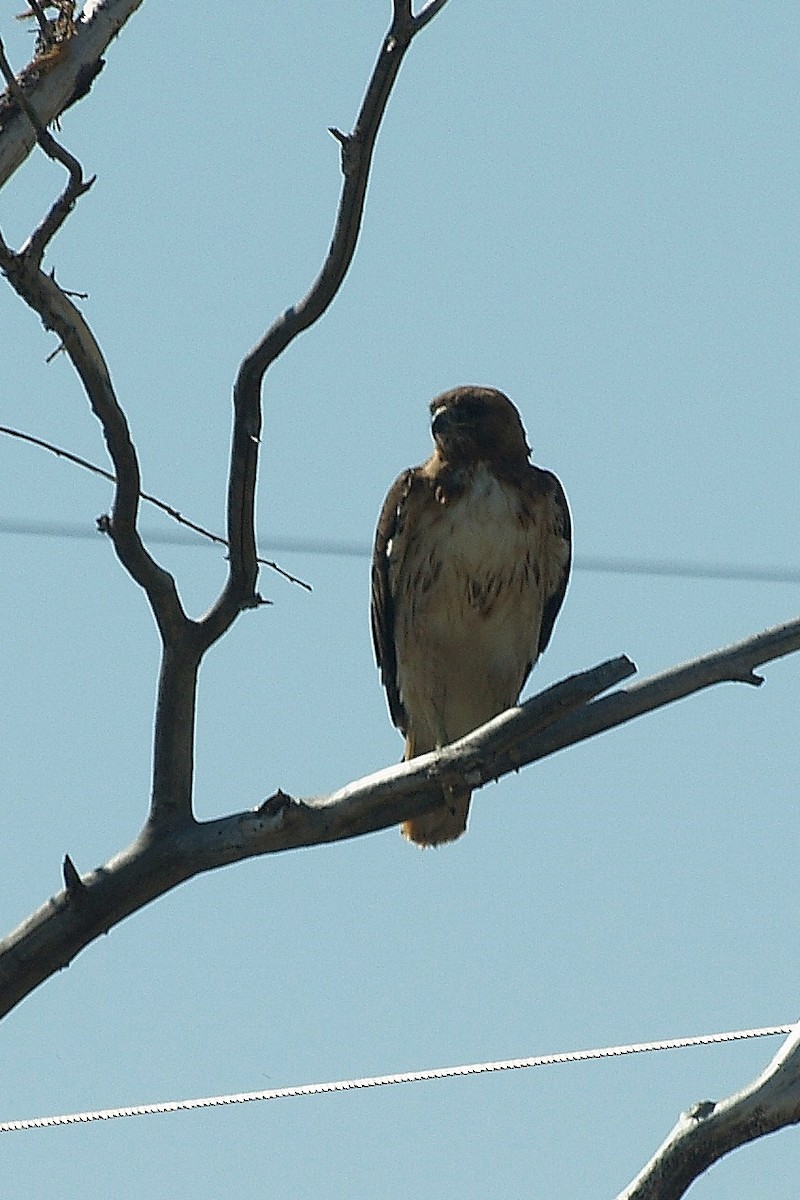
(594,207)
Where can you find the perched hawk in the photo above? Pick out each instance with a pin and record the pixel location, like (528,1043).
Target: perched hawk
(470,565)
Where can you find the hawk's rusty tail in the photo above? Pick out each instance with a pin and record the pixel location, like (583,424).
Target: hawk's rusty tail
(440,825)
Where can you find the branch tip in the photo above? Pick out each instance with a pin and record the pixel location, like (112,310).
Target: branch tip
(701,1111)
(75,887)
(275,804)
(349,150)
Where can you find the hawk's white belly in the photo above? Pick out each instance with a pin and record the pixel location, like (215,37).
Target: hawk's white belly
(471,628)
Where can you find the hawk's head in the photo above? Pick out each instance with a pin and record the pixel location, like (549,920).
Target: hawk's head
(474,424)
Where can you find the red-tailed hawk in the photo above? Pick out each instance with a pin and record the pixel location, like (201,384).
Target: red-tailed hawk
(471,560)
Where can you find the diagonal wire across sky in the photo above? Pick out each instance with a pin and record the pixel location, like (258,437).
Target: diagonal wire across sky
(373,1081)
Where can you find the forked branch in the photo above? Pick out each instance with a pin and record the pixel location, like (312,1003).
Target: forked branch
(563,715)
(356,158)
(171,799)
(184,642)
(59,313)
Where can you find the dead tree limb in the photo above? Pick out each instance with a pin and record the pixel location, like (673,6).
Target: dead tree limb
(173,746)
(162,857)
(709,1129)
(59,313)
(153,864)
(185,641)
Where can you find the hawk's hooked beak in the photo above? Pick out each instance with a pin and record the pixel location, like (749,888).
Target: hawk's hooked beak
(443,424)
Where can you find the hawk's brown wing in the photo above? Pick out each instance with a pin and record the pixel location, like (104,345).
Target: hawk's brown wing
(390,523)
(560,528)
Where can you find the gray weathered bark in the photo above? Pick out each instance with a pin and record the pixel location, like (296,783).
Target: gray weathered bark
(709,1130)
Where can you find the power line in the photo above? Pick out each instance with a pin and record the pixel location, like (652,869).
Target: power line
(599,564)
(372,1081)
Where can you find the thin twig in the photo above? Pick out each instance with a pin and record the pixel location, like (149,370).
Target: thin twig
(160,504)
(45,26)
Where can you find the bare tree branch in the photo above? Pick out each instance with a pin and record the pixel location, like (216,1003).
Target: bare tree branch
(356,158)
(732,664)
(162,858)
(173,747)
(184,642)
(709,1130)
(60,74)
(173,744)
(59,314)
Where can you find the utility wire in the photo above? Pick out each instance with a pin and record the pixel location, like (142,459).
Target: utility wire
(372,1081)
(610,564)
